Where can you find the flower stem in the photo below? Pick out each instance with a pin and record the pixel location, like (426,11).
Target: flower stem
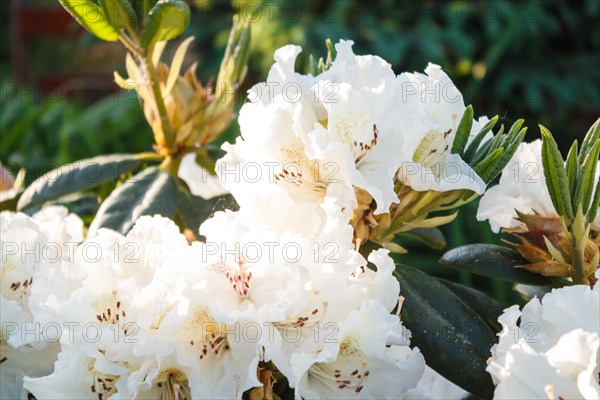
(170,165)
(579,231)
(167,140)
(578,248)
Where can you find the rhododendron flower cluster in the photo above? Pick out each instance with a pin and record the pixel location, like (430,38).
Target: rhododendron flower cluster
(550,348)
(297,287)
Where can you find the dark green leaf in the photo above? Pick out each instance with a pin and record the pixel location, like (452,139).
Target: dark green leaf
(496,141)
(168,19)
(556,175)
(90,16)
(482,304)
(77,176)
(432,237)
(481,153)
(463,131)
(455,341)
(493,261)
(150,192)
(142,9)
(572,167)
(194,210)
(474,145)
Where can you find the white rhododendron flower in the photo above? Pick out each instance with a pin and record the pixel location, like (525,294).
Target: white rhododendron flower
(433,386)
(307,138)
(427,114)
(551,348)
(30,247)
(363,366)
(522,188)
(198,179)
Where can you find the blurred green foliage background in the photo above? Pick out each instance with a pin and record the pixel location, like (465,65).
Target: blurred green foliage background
(531,59)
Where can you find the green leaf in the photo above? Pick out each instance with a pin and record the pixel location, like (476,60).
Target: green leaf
(89,15)
(167,20)
(474,145)
(507,155)
(514,130)
(150,192)
(528,292)
(455,341)
(194,210)
(482,304)
(556,175)
(585,182)
(314,67)
(463,131)
(80,175)
(234,65)
(591,137)
(595,204)
(432,237)
(176,64)
(496,141)
(142,9)
(207,157)
(488,163)
(481,153)
(572,167)
(119,13)
(493,261)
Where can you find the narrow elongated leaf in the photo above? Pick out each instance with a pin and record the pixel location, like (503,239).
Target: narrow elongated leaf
(556,200)
(591,137)
(482,304)
(515,129)
(90,16)
(494,171)
(77,176)
(119,13)
(150,192)
(176,65)
(463,131)
(480,155)
(234,64)
(432,237)
(488,163)
(591,216)
(167,20)
(572,167)
(556,175)
(585,182)
(314,67)
(474,145)
(455,341)
(493,261)
(496,141)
